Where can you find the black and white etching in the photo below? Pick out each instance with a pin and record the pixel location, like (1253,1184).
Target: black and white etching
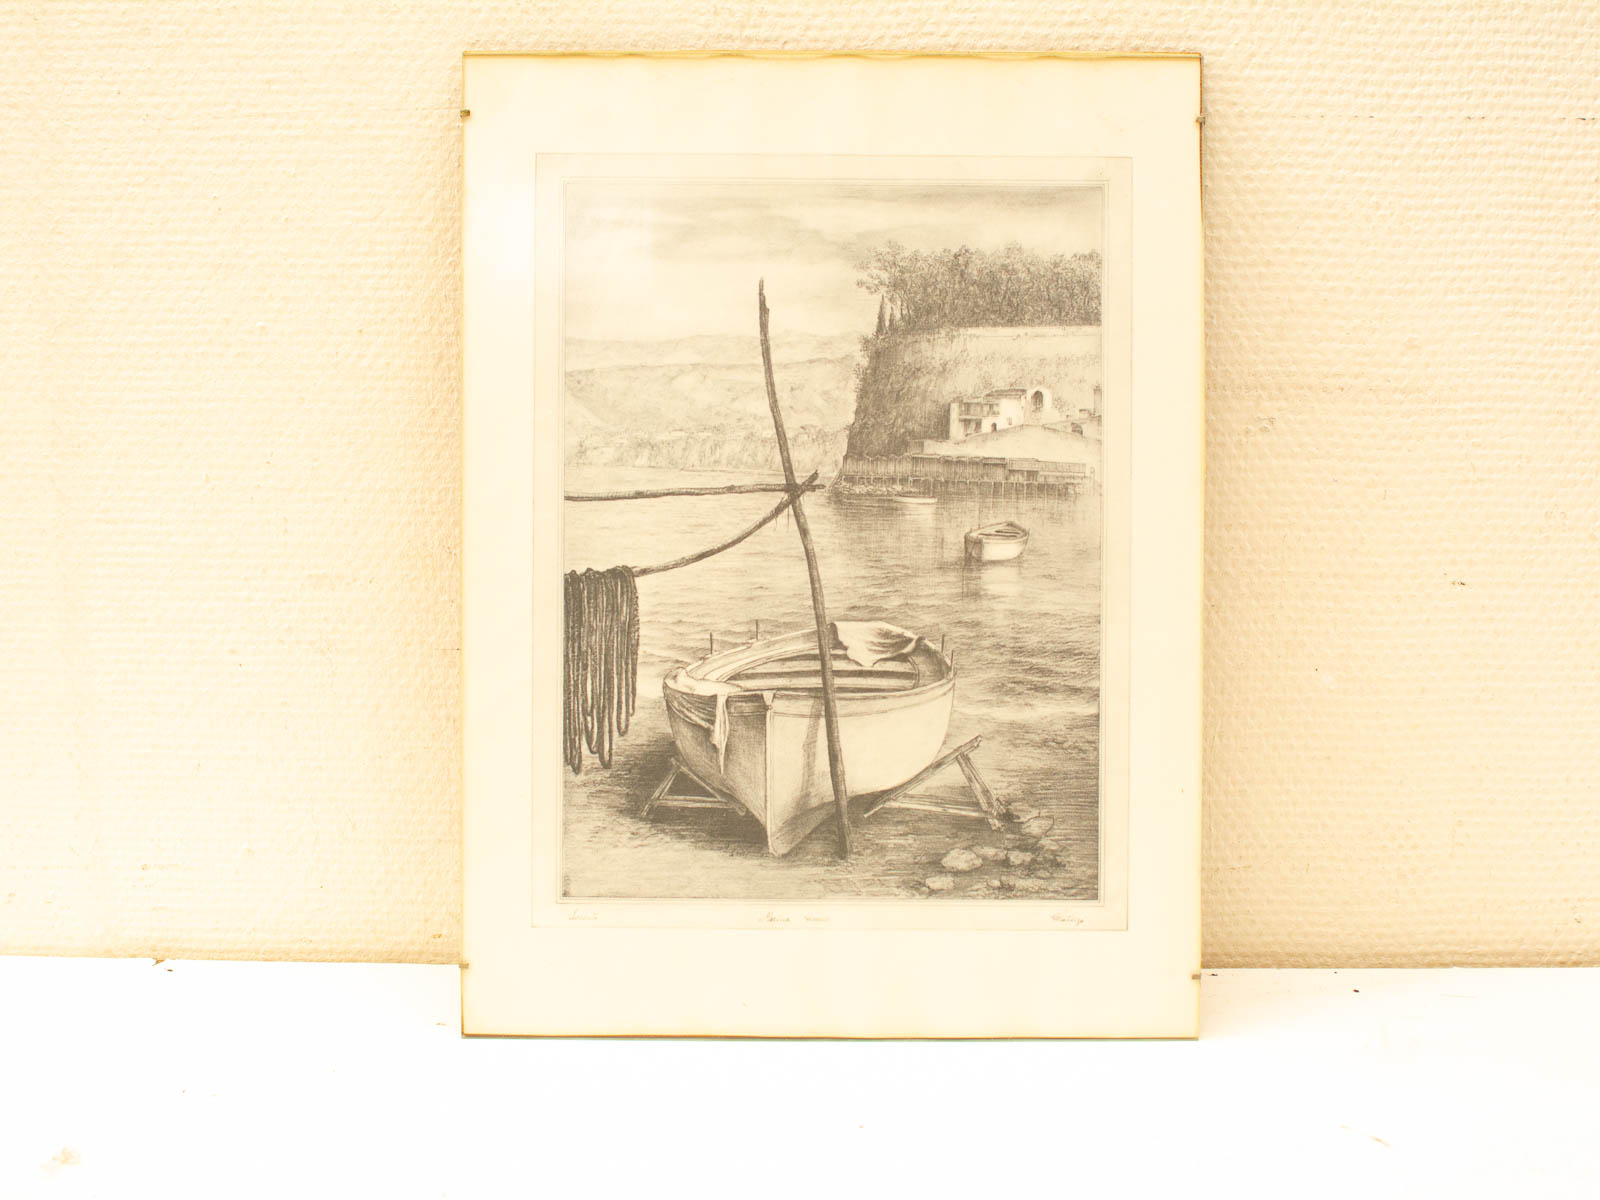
(857,414)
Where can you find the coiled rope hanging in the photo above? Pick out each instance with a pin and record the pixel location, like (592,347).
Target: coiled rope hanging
(601,646)
(601,661)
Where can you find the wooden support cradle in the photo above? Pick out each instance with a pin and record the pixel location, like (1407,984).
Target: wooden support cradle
(985,806)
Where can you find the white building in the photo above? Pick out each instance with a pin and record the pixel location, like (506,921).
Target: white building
(1002,408)
(985,414)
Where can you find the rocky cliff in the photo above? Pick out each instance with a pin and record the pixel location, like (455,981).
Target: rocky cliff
(907,381)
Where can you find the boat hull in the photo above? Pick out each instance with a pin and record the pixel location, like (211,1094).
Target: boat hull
(774,759)
(984,549)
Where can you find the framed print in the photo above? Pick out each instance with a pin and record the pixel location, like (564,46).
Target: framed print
(832,519)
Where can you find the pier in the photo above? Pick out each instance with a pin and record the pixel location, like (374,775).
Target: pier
(964,475)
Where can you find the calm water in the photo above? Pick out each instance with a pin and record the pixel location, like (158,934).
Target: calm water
(1026,639)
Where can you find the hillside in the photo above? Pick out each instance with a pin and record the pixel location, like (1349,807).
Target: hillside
(702,402)
(811,447)
(909,379)
(585,354)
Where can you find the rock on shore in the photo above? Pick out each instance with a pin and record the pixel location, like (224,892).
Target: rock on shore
(961,859)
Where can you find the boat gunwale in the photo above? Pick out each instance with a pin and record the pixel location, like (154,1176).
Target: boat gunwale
(854,700)
(803,702)
(1000,531)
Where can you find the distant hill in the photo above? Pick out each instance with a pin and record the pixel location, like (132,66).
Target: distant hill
(812,449)
(731,349)
(702,401)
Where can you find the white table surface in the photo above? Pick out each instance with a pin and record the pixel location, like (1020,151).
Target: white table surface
(127,1078)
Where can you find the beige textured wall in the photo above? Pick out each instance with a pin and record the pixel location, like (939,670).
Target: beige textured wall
(228,608)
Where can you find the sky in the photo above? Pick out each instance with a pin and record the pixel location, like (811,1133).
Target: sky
(650,258)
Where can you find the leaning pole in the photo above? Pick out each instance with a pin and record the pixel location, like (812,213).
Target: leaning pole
(830,708)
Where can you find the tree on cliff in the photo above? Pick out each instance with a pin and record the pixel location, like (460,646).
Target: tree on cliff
(942,289)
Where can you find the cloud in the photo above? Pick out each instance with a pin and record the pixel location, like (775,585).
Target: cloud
(669,258)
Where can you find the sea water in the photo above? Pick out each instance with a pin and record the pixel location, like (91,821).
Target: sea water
(1025,636)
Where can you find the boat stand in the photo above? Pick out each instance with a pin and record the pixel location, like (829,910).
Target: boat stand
(986,806)
(666,794)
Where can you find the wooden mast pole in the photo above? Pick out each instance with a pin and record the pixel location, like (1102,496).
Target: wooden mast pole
(830,708)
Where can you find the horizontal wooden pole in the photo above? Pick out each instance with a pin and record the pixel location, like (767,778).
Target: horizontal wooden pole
(732,489)
(955,810)
(777,511)
(698,802)
(933,768)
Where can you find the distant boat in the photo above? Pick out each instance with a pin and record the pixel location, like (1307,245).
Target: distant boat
(996,543)
(748,721)
(853,497)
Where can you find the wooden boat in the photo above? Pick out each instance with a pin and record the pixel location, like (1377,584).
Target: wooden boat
(748,721)
(877,498)
(996,543)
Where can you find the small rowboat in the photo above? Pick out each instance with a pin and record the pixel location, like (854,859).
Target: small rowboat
(996,543)
(748,721)
(877,498)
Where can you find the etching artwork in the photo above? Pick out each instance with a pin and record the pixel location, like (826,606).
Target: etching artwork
(832,615)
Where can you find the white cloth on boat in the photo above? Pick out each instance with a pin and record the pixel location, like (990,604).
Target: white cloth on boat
(719,691)
(872,642)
